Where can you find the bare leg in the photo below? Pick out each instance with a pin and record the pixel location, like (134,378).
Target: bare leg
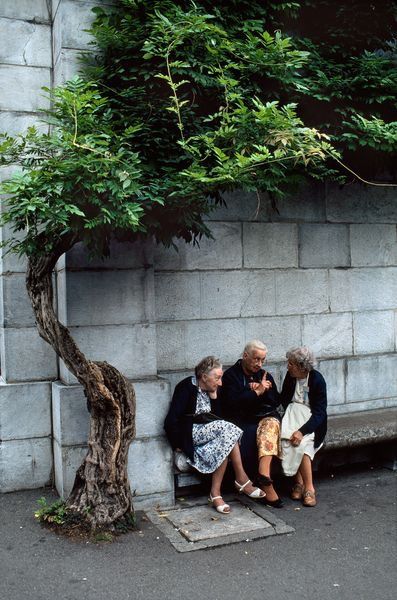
(305,471)
(216,482)
(240,474)
(264,469)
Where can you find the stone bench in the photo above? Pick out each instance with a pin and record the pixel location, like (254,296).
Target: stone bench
(359,437)
(351,438)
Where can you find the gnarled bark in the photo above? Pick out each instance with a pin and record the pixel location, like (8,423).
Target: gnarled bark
(101,493)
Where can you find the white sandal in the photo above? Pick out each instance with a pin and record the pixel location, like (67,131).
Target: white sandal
(221,508)
(256,493)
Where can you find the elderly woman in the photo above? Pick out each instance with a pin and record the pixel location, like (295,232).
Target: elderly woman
(192,425)
(304,425)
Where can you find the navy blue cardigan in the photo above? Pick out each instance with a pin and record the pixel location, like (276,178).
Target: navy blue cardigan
(178,424)
(317,423)
(240,404)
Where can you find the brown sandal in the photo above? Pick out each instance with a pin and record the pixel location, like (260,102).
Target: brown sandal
(297,492)
(309,498)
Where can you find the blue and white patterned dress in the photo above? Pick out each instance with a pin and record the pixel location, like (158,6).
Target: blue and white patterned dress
(212,442)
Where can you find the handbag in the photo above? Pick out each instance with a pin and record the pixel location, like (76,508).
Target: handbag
(204,418)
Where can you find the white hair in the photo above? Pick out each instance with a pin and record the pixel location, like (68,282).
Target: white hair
(302,356)
(254,345)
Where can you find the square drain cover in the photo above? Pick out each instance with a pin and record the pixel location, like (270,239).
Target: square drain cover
(193,524)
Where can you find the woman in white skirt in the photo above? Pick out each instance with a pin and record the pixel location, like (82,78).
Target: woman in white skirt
(304,424)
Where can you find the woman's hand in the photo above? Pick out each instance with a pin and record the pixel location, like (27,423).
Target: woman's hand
(260,388)
(296,438)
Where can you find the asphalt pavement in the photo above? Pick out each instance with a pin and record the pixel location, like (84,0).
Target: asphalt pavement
(343,549)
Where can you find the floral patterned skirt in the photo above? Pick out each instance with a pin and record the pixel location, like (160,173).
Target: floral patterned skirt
(268,437)
(212,443)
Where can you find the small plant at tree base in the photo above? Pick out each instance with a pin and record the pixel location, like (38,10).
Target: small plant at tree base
(54,513)
(57,515)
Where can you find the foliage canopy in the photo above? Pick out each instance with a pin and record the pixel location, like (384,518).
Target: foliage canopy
(188,99)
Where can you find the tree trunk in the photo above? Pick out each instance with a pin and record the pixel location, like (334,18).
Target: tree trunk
(101,494)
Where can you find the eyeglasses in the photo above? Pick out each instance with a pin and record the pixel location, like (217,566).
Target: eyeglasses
(257,359)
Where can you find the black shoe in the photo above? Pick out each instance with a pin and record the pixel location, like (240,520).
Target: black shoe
(263,480)
(273,503)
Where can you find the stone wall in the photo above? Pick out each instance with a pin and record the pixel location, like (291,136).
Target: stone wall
(321,271)
(27,363)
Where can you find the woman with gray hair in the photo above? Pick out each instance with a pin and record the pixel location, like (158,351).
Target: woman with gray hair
(192,426)
(304,425)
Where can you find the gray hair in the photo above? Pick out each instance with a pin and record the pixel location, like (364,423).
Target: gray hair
(302,357)
(254,344)
(206,365)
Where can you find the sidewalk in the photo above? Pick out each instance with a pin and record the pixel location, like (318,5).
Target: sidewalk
(344,549)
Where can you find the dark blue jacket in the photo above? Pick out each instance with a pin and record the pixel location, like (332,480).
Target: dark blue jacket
(317,423)
(178,423)
(240,404)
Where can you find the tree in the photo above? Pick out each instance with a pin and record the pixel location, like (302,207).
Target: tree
(176,109)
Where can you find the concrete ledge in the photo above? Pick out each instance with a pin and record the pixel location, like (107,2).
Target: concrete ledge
(361,428)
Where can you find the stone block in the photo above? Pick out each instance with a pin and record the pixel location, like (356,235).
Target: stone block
(66,462)
(31,10)
(323,245)
(363,289)
(162,500)
(373,332)
(270,245)
(16,304)
(174,377)
(54,7)
(360,204)
(329,335)
(23,43)
(21,88)
(237,294)
(353,407)
(25,464)
(177,296)
(334,374)
(301,292)
(71,22)
(105,297)
(222,252)
(25,410)
(25,356)
(68,65)
(70,416)
(170,338)
(307,204)
(152,402)
(150,468)
(371,378)
(238,206)
(122,256)
(389,402)
(373,245)
(277,333)
(15,123)
(10,262)
(130,348)
(224,338)
(182,345)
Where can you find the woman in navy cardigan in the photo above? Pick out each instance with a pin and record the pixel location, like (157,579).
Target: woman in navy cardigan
(193,426)
(304,425)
